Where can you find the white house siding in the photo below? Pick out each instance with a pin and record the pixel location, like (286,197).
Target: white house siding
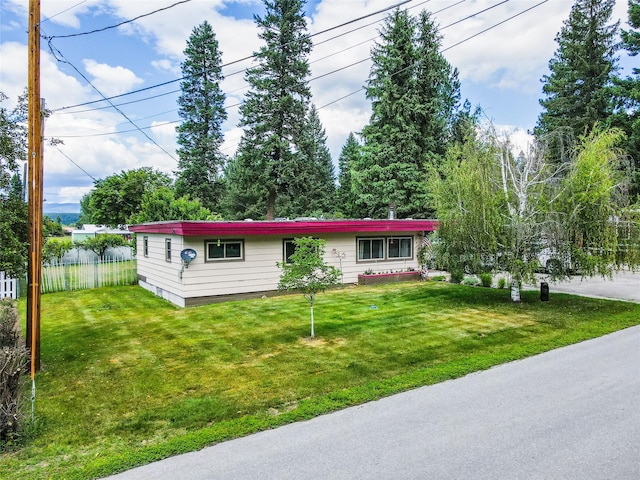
(154,272)
(257,273)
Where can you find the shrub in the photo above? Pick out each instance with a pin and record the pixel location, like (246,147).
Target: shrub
(8,323)
(456,276)
(502,282)
(471,281)
(486,279)
(13,361)
(439,278)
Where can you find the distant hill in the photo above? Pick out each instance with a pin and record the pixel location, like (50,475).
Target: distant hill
(66,218)
(52,208)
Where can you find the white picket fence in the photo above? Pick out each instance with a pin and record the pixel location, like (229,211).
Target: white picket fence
(8,287)
(61,277)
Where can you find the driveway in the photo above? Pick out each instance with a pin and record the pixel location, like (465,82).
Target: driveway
(571,413)
(623,286)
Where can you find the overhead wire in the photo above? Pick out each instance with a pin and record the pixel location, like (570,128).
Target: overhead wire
(121,23)
(49,39)
(354,64)
(60,111)
(63,11)
(61,58)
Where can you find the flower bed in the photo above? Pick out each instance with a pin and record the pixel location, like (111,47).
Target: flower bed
(378,278)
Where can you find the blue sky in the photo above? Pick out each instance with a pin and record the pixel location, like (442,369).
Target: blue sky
(500,70)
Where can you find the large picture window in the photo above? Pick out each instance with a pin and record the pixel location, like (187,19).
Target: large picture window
(385,248)
(218,250)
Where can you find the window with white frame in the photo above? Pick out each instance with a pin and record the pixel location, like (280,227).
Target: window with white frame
(370,249)
(399,247)
(384,248)
(167,249)
(219,250)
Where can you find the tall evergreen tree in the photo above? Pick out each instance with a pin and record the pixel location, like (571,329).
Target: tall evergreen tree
(202,111)
(627,93)
(437,91)
(273,113)
(345,196)
(414,94)
(576,93)
(312,188)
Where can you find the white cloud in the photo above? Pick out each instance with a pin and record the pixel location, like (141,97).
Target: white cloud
(506,61)
(111,80)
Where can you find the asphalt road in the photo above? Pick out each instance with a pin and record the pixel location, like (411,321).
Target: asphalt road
(572,413)
(622,286)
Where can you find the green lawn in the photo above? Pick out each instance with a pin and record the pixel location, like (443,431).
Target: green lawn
(127,378)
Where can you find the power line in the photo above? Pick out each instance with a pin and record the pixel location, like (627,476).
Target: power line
(63,11)
(496,25)
(64,60)
(69,158)
(343,68)
(221,66)
(119,24)
(244,70)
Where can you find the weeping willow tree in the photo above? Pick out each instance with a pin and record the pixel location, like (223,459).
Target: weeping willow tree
(503,212)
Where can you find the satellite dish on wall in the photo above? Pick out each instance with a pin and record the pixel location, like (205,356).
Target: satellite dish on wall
(187,255)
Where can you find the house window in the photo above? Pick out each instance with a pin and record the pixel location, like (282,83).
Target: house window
(399,247)
(167,249)
(145,246)
(288,248)
(370,249)
(218,250)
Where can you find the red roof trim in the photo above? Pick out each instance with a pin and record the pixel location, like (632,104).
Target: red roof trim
(286,227)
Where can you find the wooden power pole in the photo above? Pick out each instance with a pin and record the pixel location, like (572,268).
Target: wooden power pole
(34,188)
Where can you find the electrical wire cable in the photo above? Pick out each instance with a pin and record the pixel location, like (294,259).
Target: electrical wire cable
(255,55)
(61,58)
(348,66)
(121,23)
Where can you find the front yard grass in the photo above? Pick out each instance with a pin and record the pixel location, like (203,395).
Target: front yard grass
(127,378)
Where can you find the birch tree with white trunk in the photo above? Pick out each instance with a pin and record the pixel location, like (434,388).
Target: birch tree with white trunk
(503,212)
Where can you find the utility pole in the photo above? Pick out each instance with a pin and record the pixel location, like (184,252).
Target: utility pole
(35,188)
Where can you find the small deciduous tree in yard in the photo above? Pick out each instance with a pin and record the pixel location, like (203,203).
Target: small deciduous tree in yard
(100,243)
(308,273)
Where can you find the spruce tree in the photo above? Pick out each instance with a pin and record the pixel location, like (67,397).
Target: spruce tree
(202,111)
(312,188)
(576,93)
(345,196)
(414,94)
(273,113)
(627,94)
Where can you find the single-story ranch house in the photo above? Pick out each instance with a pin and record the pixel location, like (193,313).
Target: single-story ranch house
(197,262)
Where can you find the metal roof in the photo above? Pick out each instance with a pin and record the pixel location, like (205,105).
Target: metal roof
(190,228)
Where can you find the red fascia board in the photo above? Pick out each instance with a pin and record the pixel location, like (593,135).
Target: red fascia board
(287,227)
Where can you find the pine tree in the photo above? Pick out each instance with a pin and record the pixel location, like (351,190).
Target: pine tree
(414,94)
(202,111)
(581,69)
(273,113)
(345,197)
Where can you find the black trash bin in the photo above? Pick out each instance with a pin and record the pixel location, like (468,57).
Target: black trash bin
(544,291)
